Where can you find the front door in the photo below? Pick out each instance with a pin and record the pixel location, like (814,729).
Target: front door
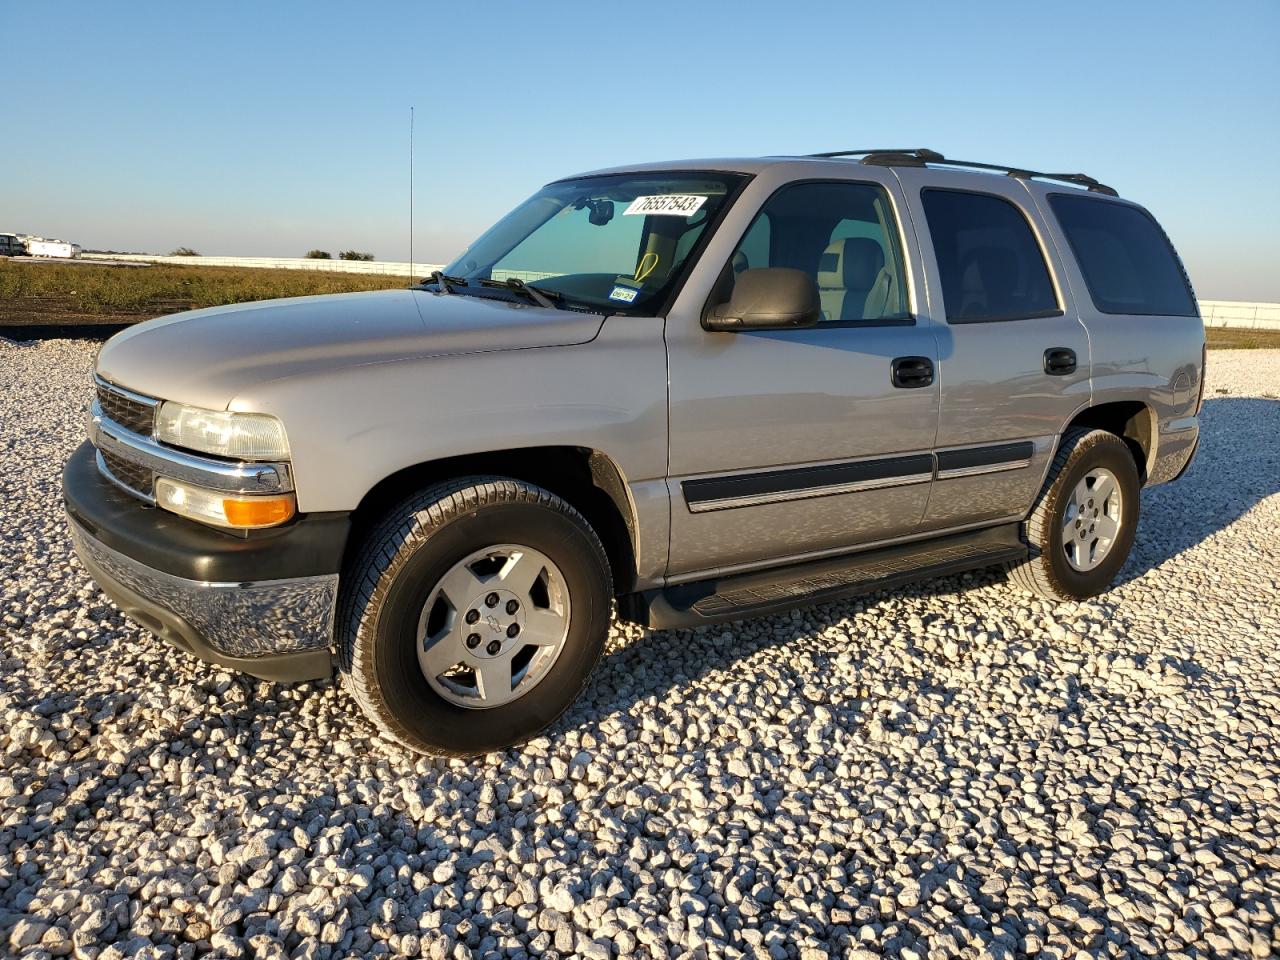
(796,443)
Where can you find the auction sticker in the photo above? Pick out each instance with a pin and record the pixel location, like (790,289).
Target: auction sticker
(625,294)
(665,205)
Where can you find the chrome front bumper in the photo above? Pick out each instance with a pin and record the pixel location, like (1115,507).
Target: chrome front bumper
(273,629)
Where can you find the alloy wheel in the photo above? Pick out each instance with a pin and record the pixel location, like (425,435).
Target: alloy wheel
(1092,518)
(493,626)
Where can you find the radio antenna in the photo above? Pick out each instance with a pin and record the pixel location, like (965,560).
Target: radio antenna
(411,273)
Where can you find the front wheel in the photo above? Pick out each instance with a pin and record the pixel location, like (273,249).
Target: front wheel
(473,615)
(1082,526)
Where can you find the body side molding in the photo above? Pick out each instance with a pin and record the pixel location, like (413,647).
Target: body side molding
(797,483)
(987,459)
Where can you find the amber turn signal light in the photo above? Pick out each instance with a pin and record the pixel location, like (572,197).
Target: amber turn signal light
(223,510)
(258,512)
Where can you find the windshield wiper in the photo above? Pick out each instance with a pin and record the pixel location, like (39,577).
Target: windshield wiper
(442,280)
(543,298)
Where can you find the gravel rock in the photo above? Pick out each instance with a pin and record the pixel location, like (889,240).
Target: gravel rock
(954,769)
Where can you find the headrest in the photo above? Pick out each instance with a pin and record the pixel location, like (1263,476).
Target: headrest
(984,267)
(850,264)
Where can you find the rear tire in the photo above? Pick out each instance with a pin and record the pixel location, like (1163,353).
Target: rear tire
(436,649)
(1083,523)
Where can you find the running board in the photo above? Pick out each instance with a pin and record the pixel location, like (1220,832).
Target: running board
(761,592)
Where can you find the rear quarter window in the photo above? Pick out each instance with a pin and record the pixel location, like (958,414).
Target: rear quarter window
(1127,261)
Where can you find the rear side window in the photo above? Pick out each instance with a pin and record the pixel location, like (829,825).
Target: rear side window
(1128,263)
(989,263)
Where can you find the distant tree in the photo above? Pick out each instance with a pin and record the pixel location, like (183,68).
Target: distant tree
(183,252)
(354,255)
(319,255)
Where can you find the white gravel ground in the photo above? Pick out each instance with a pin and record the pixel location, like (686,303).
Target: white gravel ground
(953,770)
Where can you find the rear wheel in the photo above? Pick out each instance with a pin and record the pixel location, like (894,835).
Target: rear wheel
(474,615)
(1083,523)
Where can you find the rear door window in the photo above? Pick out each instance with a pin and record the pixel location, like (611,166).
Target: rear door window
(1128,263)
(989,262)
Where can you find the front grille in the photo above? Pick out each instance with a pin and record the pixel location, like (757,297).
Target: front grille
(132,475)
(124,410)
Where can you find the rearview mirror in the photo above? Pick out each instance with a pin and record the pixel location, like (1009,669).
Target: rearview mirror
(768,298)
(601,212)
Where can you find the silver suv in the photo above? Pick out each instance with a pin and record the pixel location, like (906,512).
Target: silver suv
(704,390)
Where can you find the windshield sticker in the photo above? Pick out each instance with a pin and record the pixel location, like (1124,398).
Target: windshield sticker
(625,294)
(666,205)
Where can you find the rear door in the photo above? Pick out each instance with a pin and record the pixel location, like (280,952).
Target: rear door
(1014,362)
(789,443)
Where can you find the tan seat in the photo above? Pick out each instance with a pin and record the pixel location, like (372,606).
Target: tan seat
(852,281)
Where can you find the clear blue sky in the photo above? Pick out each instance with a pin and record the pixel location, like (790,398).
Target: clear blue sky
(270,128)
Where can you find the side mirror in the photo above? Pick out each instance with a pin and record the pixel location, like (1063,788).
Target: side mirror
(768,298)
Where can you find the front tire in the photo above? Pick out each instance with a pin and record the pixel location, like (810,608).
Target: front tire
(1082,526)
(473,615)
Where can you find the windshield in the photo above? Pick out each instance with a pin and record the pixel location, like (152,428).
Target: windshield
(615,243)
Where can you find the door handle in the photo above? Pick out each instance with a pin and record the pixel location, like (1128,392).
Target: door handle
(1059,361)
(908,372)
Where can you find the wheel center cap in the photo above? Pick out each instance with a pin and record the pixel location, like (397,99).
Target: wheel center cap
(493,623)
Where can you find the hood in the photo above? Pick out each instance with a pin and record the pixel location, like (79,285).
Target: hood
(207,357)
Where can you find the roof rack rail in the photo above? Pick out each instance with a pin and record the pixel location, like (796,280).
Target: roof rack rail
(922,156)
(904,151)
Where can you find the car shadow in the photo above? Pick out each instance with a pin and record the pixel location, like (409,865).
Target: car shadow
(1236,466)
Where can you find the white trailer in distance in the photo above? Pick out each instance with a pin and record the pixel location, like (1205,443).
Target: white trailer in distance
(40,247)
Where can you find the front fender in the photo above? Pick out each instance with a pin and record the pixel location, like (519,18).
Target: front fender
(350,428)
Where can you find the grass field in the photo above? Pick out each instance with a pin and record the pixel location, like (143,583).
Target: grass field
(1221,338)
(44,291)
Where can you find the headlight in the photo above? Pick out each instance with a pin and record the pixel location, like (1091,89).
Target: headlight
(239,436)
(222,509)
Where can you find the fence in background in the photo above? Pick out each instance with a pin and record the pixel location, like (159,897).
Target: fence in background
(1238,313)
(1216,313)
